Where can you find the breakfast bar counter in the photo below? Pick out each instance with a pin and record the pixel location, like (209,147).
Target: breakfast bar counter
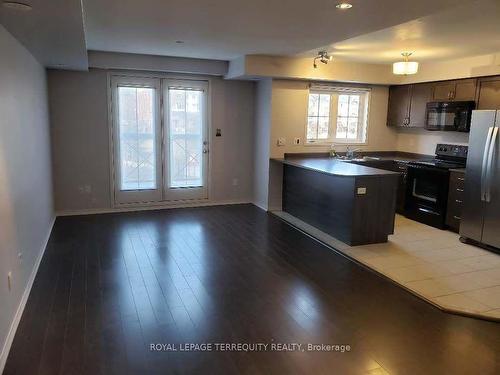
(353,203)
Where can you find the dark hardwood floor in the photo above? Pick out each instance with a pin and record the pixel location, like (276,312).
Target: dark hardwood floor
(110,285)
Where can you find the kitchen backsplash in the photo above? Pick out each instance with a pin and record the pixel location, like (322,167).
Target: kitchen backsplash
(422,141)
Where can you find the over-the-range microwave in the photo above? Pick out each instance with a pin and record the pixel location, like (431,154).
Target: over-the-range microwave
(449,116)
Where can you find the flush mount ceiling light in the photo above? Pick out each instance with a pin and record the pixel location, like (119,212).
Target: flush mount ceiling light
(324,57)
(343,6)
(405,67)
(17,6)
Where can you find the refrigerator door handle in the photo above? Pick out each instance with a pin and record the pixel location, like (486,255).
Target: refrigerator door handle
(483,165)
(489,169)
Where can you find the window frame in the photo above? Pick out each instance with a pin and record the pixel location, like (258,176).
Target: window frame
(365,98)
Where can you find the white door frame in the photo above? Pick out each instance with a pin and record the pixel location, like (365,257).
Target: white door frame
(114,139)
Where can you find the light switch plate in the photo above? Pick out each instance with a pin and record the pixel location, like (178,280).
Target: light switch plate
(361,191)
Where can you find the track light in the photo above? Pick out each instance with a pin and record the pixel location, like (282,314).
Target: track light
(324,57)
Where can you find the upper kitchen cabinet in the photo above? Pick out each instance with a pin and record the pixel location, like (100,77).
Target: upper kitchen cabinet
(421,94)
(459,90)
(489,93)
(399,105)
(407,105)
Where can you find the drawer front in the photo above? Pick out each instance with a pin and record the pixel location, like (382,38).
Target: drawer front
(455,200)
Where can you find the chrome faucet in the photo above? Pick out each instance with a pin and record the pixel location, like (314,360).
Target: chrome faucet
(350,154)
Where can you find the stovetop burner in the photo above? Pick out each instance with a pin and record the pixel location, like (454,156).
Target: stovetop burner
(447,157)
(439,163)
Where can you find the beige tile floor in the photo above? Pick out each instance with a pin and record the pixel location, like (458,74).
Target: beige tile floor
(430,262)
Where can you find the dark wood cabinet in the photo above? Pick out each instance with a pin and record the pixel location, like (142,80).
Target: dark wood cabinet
(443,91)
(407,105)
(399,105)
(402,168)
(421,94)
(458,90)
(489,93)
(465,89)
(455,200)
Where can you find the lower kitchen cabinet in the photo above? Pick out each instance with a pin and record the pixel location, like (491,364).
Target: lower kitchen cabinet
(402,168)
(455,200)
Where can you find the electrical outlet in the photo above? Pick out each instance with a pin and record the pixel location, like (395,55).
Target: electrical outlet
(297,141)
(361,191)
(281,141)
(9,280)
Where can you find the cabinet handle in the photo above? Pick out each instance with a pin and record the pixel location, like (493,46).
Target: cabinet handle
(457,217)
(460,190)
(458,201)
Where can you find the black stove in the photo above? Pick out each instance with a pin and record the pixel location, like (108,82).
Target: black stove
(447,157)
(428,182)
(438,163)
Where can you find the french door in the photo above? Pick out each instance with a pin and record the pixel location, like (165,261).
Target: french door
(160,133)
(186,145)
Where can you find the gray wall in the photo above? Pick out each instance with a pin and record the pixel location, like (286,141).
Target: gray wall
(263,106)
(26,209)
(80,140)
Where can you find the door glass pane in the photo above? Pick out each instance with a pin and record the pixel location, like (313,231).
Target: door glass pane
(136,122)
(185,137)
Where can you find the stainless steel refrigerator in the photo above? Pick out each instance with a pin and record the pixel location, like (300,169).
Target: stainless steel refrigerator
(481,202)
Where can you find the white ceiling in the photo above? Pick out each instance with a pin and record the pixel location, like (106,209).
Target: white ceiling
(467,30)
(376,31)
(226,29)
(52,31)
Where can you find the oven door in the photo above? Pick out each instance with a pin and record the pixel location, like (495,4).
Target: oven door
(426,194)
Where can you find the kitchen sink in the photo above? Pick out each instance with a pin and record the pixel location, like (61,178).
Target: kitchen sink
(361,159)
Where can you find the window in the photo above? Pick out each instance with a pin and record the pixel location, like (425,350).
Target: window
(337,115)
(136,121)
(186,137)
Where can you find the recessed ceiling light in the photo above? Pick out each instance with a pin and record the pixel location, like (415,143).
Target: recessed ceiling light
(17,6)
(343,6)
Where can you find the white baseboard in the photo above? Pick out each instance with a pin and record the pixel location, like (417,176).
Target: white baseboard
(17,317)
(262,207)
(93,211)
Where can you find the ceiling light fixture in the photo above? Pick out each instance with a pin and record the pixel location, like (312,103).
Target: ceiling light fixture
(324,57)
(17,6)
(343,6)
(405,67)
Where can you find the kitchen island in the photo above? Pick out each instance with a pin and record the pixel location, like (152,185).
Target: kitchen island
(353,203)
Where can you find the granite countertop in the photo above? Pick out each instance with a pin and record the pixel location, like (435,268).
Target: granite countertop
(335,167)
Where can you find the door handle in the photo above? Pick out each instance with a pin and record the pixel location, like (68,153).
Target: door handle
(483,165)
(489,169)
